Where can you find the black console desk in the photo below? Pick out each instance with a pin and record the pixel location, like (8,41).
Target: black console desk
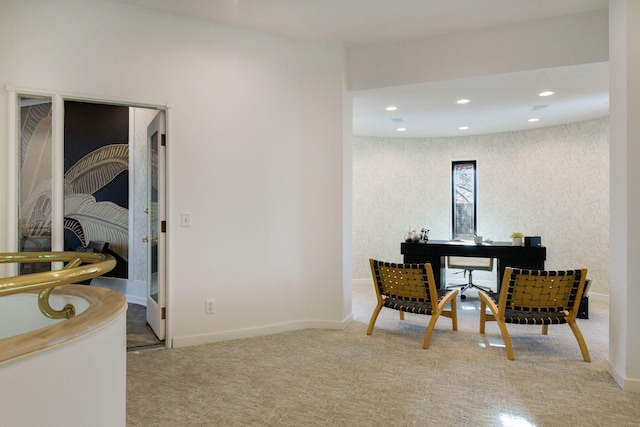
(506,255)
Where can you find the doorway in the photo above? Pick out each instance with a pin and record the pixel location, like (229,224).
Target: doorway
(100,197)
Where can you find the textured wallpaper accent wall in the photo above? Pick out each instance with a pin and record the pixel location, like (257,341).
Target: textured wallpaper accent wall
(552,182)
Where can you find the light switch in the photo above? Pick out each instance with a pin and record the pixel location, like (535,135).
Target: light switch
(185,219)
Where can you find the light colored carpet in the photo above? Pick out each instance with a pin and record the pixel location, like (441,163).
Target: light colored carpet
(346,378)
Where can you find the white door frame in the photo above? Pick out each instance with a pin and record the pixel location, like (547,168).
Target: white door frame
(13,160)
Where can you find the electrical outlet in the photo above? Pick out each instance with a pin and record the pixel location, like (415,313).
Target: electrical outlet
(209,306)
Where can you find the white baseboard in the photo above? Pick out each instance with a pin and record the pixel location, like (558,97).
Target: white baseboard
(626,384)
(594,296)
(190,340)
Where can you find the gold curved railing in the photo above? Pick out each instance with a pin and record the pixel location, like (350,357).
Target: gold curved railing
(79,266)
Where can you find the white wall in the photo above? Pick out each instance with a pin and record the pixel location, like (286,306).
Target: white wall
(255,140)
(78,382)
(552,182)
(624,339)
(544,43)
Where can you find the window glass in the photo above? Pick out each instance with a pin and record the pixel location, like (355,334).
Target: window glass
(463,183)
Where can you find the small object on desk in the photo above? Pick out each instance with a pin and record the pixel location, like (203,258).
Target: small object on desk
(533,241)
(411,236)
(477,240)
(517,237)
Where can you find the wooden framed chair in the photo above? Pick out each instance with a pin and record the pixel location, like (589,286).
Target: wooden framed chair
(411,288)
(535,297)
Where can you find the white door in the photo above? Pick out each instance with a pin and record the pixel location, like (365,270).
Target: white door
(156,298)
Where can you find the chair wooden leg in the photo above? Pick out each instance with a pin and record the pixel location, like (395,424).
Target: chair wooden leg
(581,342)
(401,315)
(506,339)
(545,329)
(374,317)
(454,314)
(483,315)
(449,300)
(432,325)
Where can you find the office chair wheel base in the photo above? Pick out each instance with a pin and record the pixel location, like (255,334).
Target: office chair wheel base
(463,297)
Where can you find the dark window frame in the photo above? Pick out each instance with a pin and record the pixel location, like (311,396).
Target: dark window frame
(460,172)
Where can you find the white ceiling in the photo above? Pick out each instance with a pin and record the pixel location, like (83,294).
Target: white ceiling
(498,103)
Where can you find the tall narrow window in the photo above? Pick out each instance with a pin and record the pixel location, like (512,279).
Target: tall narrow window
(463,186)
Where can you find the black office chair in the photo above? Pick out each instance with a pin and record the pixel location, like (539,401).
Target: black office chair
(468,265)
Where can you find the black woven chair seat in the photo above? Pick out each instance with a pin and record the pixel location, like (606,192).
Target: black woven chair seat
(413,306)
(419,307)
(530,317)
(534,318)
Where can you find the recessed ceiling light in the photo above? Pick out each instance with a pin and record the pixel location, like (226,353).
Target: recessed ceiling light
(463,128)
(463,101)
(401,129)
(546,93)
(391,108)
(534,119)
